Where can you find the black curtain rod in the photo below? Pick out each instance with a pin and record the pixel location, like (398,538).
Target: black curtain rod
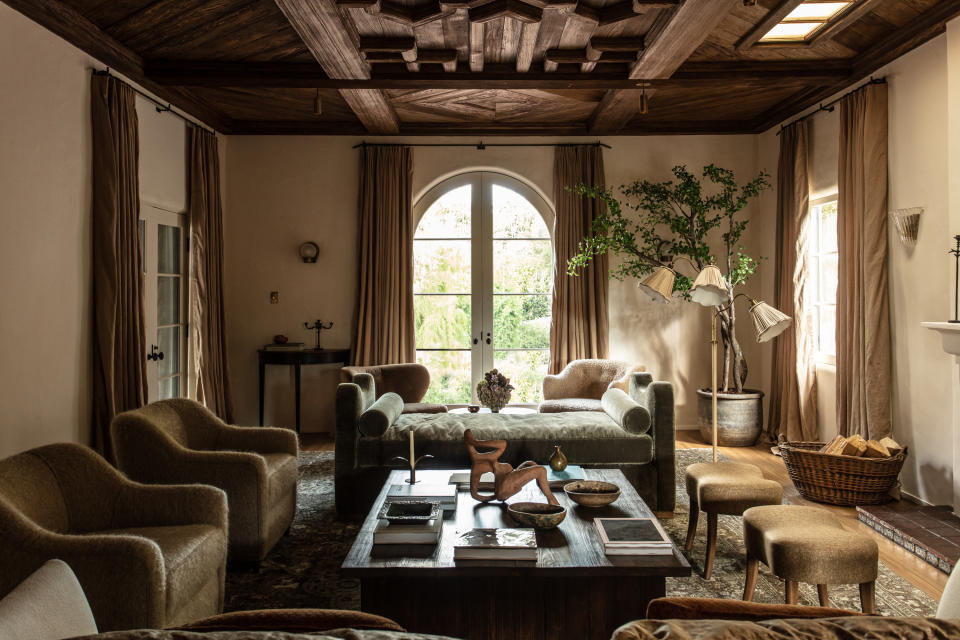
(829,106)
(480,146)
(161,108)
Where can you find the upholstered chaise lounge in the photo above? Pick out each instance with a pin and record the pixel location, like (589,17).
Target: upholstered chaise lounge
(179,441)
(146,556)
(410,381)
(582,383)
(635,434)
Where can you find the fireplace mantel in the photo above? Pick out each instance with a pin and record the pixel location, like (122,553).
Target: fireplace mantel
(949,335)
(950,340)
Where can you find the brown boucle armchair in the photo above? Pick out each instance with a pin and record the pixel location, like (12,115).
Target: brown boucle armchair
(146,556)
(180,441)
(582,383)
(409,381)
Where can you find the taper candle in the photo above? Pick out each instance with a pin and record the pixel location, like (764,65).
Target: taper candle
(411,449)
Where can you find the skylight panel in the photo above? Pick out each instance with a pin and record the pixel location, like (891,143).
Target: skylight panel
(821,11)
(791,31)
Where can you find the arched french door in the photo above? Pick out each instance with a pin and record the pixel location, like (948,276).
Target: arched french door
(483,276)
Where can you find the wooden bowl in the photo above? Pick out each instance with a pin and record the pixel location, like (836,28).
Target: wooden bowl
(538,515)
(592,493)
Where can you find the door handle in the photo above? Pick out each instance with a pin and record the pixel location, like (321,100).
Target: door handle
(154,353)
(488,337)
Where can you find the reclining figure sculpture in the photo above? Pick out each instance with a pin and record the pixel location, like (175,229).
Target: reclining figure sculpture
(507,481)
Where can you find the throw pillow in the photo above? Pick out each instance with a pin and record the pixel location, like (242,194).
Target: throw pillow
(381,414)
(628,414)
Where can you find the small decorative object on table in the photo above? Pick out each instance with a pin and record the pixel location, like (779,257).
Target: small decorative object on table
(592,493)
(494,390)
(318,327)
(412,511)
(473,408)
(537,514)
(558,461)
(280,339)
(413,461)
(507,481)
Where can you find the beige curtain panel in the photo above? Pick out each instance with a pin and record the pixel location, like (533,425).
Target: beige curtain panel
(579,326)
(863,316)
(208,334)
(793,399)
(384,323)
(119,349)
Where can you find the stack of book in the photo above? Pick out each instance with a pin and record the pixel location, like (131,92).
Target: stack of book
(445,494)
(426,533)
(633,537)
(286,346)
(519,545)
(423,532)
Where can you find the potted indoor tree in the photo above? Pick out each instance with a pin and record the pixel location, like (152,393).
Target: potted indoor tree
(690,219)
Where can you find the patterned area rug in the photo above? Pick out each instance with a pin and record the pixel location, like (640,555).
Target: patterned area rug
(303,569)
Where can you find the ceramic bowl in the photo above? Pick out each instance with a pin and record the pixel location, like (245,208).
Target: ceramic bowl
(592,493)
(538,515)
(473,408)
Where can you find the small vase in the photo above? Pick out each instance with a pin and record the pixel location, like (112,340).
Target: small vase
(558,461)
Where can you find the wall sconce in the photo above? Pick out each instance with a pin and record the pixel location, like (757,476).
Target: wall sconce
(309,252)
(907,222)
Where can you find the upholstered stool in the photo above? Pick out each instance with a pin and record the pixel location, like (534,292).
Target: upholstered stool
(808,544)
(729,488)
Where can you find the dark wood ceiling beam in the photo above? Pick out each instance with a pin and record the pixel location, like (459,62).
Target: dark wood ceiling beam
(377,44)
(319,25)
(580,56)
(617,44)
(311,75)
(478,33)
(527,45)
(846,20)
(772,19)
(505,9)
(76,29)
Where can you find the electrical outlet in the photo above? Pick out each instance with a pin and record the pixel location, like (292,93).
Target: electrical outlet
(274,297)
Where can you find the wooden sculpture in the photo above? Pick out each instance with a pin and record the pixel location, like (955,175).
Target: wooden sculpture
(507,481)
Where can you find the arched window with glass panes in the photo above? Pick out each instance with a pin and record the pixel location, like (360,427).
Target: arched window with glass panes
(483,279)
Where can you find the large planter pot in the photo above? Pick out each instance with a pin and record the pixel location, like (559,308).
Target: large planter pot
(739,417)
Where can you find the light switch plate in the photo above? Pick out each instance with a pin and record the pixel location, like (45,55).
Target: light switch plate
(274,297)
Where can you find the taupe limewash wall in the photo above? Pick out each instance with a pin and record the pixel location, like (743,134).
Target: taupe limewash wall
(45,246)
(286,190)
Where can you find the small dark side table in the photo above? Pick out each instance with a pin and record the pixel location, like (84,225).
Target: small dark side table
(297,359)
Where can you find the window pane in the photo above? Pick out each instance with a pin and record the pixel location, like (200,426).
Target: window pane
(522,266)
(515,217)
(828,227)
(168,300)
(449,376)
(170,388)
(828,278)
(790,31)
(521,322)
(448,216)
(526,370)
(828,329)
(816,10)
(441,266)
(168,249)
(169,338)
(442,322)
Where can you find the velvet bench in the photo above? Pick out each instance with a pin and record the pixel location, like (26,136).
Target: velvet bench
(634,433)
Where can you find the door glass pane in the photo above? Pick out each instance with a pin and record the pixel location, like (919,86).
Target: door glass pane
(515,217)
(441,266)
(828,329)
(449,216)
(828,227)
(169,338)
(526,370)
(170,388)
(449,376)
(168,249)
(521,322)
(828,278)
(442,322)
(168,300)
(522,266)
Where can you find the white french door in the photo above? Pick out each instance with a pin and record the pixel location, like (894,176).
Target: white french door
(163,245)
(483,262)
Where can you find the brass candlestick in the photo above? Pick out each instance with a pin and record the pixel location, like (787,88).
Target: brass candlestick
(318,327)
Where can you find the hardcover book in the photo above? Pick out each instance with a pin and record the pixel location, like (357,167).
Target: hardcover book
(633,536)
(390,533)
(496,544)
(556,479)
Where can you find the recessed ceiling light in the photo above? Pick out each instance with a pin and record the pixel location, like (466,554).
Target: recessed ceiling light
(816,11)
(791,31)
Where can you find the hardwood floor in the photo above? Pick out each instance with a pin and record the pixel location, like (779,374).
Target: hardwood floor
(920,574)
(930,580)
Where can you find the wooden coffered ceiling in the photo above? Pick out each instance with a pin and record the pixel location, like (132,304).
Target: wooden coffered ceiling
(488,67)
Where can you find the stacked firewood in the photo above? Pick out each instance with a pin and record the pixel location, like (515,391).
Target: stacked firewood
(860,447)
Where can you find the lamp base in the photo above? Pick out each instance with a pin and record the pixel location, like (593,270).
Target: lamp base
(739,417)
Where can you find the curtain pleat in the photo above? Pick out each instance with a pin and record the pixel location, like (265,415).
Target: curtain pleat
(119,349)
(579,325)
(863,315)
(793,399)
(384,320)
(208,332)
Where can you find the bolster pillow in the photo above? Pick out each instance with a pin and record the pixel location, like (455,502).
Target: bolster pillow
(381,414)
(628,414)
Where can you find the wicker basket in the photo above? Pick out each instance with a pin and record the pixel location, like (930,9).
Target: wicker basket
(842,480)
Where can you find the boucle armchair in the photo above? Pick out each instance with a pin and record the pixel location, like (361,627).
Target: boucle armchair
(582,383)
(180,441)
(146,556)
(409,381)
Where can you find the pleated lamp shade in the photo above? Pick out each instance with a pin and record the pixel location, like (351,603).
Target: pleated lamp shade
(658,285)
(768,321)
(709,289)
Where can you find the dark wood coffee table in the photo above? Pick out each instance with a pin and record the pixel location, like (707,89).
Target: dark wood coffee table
(574,591)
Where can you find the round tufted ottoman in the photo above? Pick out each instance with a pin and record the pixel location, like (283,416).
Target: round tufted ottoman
(808,544)
(729,488)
